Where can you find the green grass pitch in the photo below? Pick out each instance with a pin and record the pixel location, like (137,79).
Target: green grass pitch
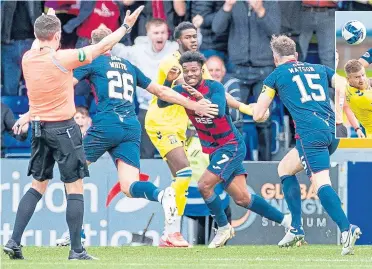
(308,256)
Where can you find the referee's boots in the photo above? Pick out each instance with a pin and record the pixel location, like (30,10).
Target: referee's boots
(13,250)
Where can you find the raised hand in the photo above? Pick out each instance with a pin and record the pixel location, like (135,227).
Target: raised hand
(360,134)
(51,11)
(193,92)
(130,19)
(173,73)
(228,5)
(197,21)
(205,109)
(257,6)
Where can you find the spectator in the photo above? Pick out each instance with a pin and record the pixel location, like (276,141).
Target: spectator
(249,51)
(203,13)
(217,70)
(319,17)
(65,11)
(93,14)
(82,119)
(7,122)
(146,54)
(17,35)
(173,12)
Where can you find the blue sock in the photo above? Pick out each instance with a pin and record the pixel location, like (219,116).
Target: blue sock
(147,190)
(263,208)
(292,195)
(332,204)
(215,206)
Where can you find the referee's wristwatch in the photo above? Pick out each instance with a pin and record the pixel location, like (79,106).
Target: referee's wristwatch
(127,27)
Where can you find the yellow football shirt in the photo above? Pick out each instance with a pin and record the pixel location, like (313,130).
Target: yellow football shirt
(360,102)
(173,116)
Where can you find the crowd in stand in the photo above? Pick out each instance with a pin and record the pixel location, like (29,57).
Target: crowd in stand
(233,35)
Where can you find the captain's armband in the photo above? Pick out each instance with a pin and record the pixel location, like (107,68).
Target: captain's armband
(268,91)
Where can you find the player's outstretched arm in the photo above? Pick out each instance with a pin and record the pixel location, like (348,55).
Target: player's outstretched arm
(112,39)
(243,108)
(167,94)
(353,120)
(261,108)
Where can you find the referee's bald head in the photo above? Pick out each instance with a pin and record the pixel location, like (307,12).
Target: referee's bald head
(46,26)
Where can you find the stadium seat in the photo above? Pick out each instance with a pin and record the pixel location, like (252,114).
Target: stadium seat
(18,104)
(250,138)
(250,133)
(17,149)
(312,54)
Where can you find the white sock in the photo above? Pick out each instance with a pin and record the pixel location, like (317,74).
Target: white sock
(287,221)
(227,226)
(344,236)
(160,196)
(171,228)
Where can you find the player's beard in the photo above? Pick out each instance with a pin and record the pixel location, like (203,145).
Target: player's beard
(359,87)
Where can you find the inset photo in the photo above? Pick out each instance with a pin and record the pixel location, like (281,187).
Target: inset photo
(353,93)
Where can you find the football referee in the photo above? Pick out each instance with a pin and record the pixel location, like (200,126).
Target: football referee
(55,135)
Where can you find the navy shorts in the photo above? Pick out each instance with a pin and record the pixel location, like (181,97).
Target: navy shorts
(120,140)
(227,162)
(315,149)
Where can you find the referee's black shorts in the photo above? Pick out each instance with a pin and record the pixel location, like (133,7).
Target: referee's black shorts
(59,142)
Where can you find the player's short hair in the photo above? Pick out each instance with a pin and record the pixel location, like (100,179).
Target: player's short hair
(98,34)
(185,25)
(155,22)
(282,45)
(192,56)
(82,110)
(46,26)
(353,66)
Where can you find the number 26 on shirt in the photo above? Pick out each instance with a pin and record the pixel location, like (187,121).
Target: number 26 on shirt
(124,81)
(317,93)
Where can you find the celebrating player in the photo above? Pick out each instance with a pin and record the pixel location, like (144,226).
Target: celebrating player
(359,94)
(116,128)
(341,106)
(166,126)
(303,88)
(226,148)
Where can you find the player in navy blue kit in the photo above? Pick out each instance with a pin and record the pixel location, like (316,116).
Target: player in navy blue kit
(116,129)
(224,144)
(366,58)
(303,88)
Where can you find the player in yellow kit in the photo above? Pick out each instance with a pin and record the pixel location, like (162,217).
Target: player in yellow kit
(166,126)
(359,94)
